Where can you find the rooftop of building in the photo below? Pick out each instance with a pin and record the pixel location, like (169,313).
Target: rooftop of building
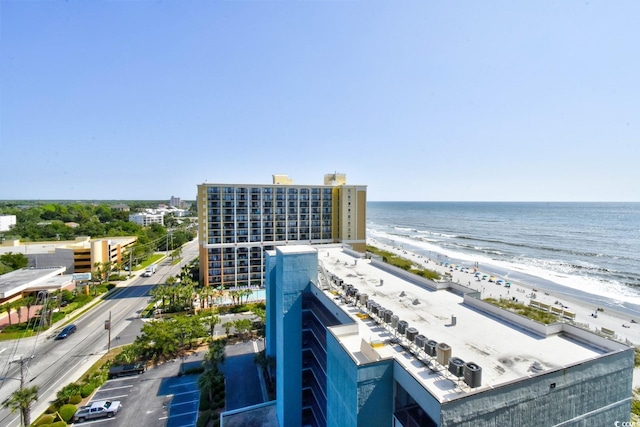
(503,350)
(27,248)
(31,278)
(281,180)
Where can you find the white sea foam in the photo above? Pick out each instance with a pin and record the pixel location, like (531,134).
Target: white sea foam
(554,271)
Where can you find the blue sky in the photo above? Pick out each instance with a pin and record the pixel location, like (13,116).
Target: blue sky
(419,100)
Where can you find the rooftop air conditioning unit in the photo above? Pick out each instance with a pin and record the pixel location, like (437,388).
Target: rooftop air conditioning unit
(431,348)
(443,353)
(402,326)
(411,334)
(420,341)
(472,375)
(394,321)
(456,366)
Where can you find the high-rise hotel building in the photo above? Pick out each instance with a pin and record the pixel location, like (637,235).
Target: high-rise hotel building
(238,222)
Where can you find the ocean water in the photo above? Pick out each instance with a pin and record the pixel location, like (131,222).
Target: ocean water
(589,251)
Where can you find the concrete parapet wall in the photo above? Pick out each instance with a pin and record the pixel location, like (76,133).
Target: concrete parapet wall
(408,276)
(543,330)
(596,392)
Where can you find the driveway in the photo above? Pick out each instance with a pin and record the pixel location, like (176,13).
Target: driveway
(244,384)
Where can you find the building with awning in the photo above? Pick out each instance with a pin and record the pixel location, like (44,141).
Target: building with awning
(15,284)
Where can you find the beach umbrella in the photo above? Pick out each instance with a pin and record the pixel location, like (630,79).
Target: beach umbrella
(507,285)
(500,281)
(484,277)
(477,274)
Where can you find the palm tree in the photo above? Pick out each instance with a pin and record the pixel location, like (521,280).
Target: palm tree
(205,293)
(21,400)
(215,355)
(208,380)
(128,355)
(246,293)
(7,307)
(160,293)
(212,320)
(227,327)
(29,301)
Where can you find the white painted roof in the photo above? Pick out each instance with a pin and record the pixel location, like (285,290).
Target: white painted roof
(504,351)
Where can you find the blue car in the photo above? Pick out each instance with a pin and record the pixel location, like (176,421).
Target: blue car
(68,330)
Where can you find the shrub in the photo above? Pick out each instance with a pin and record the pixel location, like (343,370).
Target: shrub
(45,419)
(52,408)
(67,411)
(65,393)
(86,390)
(204,418)
(204,403)
(75,399)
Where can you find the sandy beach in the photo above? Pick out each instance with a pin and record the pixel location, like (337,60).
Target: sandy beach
(588,316)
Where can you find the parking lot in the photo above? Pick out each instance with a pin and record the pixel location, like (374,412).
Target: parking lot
(155,398)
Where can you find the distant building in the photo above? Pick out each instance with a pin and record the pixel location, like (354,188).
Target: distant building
(76,256)
(146,219)
(175,202)
(358,342)
(6,222)
(238,222)
(121,207)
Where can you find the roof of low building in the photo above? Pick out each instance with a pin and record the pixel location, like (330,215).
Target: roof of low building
(504,351)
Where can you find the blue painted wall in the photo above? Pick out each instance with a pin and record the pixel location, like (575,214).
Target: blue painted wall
(270,323)
(294,269)
(357,395)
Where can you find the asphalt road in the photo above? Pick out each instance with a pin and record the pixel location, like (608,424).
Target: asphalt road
(54,364)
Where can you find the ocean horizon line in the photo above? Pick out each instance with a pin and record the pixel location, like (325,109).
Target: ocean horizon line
(504,201)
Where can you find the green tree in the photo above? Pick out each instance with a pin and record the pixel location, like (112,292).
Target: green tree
(243,326)
(208,380)
(215,355)
(227,327)
(211,320)
(14,261)
(7,307)
(21,400)
(129,354)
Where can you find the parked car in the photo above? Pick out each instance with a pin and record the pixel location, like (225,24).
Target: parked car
(103,408)
(123,370)
(68,330)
